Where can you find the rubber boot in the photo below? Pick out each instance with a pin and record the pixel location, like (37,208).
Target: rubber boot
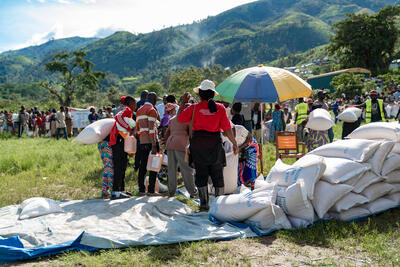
(219,191)
(203,195)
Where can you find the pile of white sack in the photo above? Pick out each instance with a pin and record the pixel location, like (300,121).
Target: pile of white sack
(345,180)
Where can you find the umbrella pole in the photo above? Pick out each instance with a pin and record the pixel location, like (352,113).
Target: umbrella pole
(262,141)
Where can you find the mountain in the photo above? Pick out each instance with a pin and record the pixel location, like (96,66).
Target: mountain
(254,33)
(39,51)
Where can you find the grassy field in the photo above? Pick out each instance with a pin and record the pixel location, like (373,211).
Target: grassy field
(65,170)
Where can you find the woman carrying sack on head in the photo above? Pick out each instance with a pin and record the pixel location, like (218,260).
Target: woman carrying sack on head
(206,151)
(124,125)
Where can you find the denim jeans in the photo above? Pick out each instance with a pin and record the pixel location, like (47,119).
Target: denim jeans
(64,131)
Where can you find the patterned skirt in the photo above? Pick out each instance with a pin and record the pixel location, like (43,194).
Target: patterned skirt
(108,172)
(248,169)
(316,139)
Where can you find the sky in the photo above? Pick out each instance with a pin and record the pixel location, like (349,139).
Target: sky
(32,22)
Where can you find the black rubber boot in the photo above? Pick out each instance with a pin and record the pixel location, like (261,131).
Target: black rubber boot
(203,195)
(219,191)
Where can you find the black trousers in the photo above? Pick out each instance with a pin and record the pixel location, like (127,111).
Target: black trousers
(214,171)
(144,152)
(137,155)
(120,158)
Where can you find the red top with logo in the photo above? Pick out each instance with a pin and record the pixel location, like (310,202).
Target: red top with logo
(204,119)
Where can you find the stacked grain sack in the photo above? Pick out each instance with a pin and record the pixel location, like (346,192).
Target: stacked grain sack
(347,179)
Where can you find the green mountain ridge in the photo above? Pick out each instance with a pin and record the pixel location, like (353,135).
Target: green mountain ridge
(257,32)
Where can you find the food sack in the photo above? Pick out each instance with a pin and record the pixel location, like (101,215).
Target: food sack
(95,132)
(380,205)
(392,177)
(349,115)
(38,206)
(366,180)
(376,191)
(326,195)
(391,163)
(231,173)
(377,130)
(351,214)
(380,155)
(340,170)
(358,150)
(239,207)
(308,168)
(294,202)
(320,120)
(349,201)
(269,218)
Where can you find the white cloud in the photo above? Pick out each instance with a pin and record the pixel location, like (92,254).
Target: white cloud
(89,18)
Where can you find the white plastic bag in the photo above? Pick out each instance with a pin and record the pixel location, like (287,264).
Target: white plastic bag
(308,168)
(95,132)
(239,207)
(349,201)
(377,130)
(326,195)
(231,173)
(271,217)
(293,200)
(376,191)
(340,170)
(358,150)
(320,120)
(38,206)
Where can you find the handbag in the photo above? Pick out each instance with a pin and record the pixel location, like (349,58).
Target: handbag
(187,149)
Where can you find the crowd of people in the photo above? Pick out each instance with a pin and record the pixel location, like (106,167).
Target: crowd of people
(194,135)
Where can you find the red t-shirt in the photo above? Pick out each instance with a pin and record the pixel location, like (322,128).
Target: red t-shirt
(204,119)
(39,121)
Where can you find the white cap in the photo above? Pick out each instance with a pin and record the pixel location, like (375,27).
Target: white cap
(206,85)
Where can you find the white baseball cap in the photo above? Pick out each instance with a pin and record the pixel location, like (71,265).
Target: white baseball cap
(206,85)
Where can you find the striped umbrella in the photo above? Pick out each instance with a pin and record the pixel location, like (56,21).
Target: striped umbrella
(263,84)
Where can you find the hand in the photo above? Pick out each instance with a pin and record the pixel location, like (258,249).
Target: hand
(235,149)
(154,149)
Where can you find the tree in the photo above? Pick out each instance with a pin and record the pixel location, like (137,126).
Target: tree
(368,41)
(185,80)
(77,77)
(349,84)
(152,87)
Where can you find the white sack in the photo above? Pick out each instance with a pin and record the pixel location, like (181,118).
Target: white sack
(260,183)
(38,206)
(241,189)
(293,200)
(380,155)
(326,195)
(349,201)
(396,188)
(394,110)
(357,149)
(392,177)
(391,163)
(396,148)
(231,173)
(350,115)
(239,207)
(271,217)
(351,214)
(365,181)
(377,130)
(395,197)
(376,191)
(308,168)
(298,222)
(320,120)
(340,170)
(95,132)
(379,205)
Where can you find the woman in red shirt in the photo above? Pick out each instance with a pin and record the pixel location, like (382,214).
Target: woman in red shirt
(206,151)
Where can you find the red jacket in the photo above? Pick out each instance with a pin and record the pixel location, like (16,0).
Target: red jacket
(125,112)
